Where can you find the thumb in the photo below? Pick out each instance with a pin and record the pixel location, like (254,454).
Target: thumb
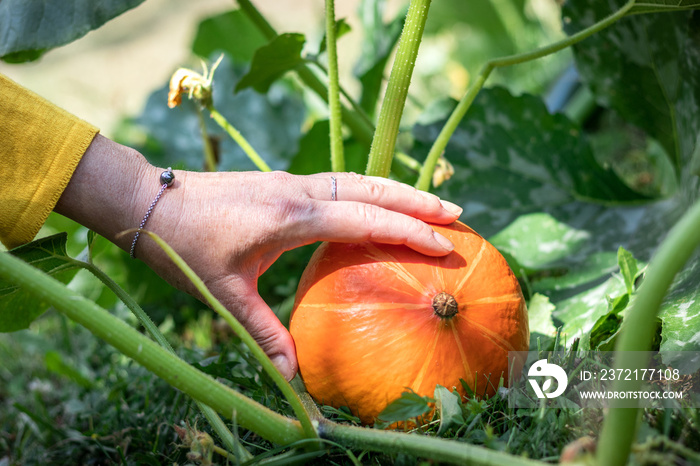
(244,302)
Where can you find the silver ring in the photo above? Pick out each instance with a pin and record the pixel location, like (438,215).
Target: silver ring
(334,189)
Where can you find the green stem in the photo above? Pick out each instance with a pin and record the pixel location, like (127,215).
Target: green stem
(240,140)
(209,157)
(360,127)
(140,348)
(637,332)
(335,109)
(240,330)
(384,142)
(229,457)
(307,401)
(130,302)
(564,43)
(257,19)
(212,417)
(438,147)
(422,446)
(458,113)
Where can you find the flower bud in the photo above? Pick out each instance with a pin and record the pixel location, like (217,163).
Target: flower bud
(185,81)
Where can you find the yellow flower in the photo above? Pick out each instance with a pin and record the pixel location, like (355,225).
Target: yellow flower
(197,86)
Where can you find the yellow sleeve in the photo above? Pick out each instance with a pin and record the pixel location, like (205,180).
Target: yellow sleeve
(40,147)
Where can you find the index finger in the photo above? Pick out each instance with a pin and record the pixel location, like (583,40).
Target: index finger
(355,222)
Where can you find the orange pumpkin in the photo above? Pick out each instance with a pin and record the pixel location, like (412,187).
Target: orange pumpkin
(371,321)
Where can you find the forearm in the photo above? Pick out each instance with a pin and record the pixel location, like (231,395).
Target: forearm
(109,190)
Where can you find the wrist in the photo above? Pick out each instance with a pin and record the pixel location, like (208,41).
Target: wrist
(166,180)
(109,190)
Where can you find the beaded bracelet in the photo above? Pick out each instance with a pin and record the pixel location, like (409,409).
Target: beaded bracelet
(166,180)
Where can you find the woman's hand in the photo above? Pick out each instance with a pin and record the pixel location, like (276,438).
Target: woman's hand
(231,226)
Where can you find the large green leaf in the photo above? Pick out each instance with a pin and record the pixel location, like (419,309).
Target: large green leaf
(578,259)
(271,123)
(529,182)
(579,313)
(272,61)
(231,32)
(650,65)
(549,251)
(408,406)
(512,157)
(19,308)
(449,406)
(29,27)
(539,240)
(681,313)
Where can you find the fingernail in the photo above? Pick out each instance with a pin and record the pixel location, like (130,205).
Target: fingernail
(451,208)
(282,364)
(444,242)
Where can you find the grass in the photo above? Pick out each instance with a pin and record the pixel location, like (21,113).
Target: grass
(93,407)
(66,398)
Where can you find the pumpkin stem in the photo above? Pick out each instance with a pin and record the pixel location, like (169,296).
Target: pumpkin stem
(445,305)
